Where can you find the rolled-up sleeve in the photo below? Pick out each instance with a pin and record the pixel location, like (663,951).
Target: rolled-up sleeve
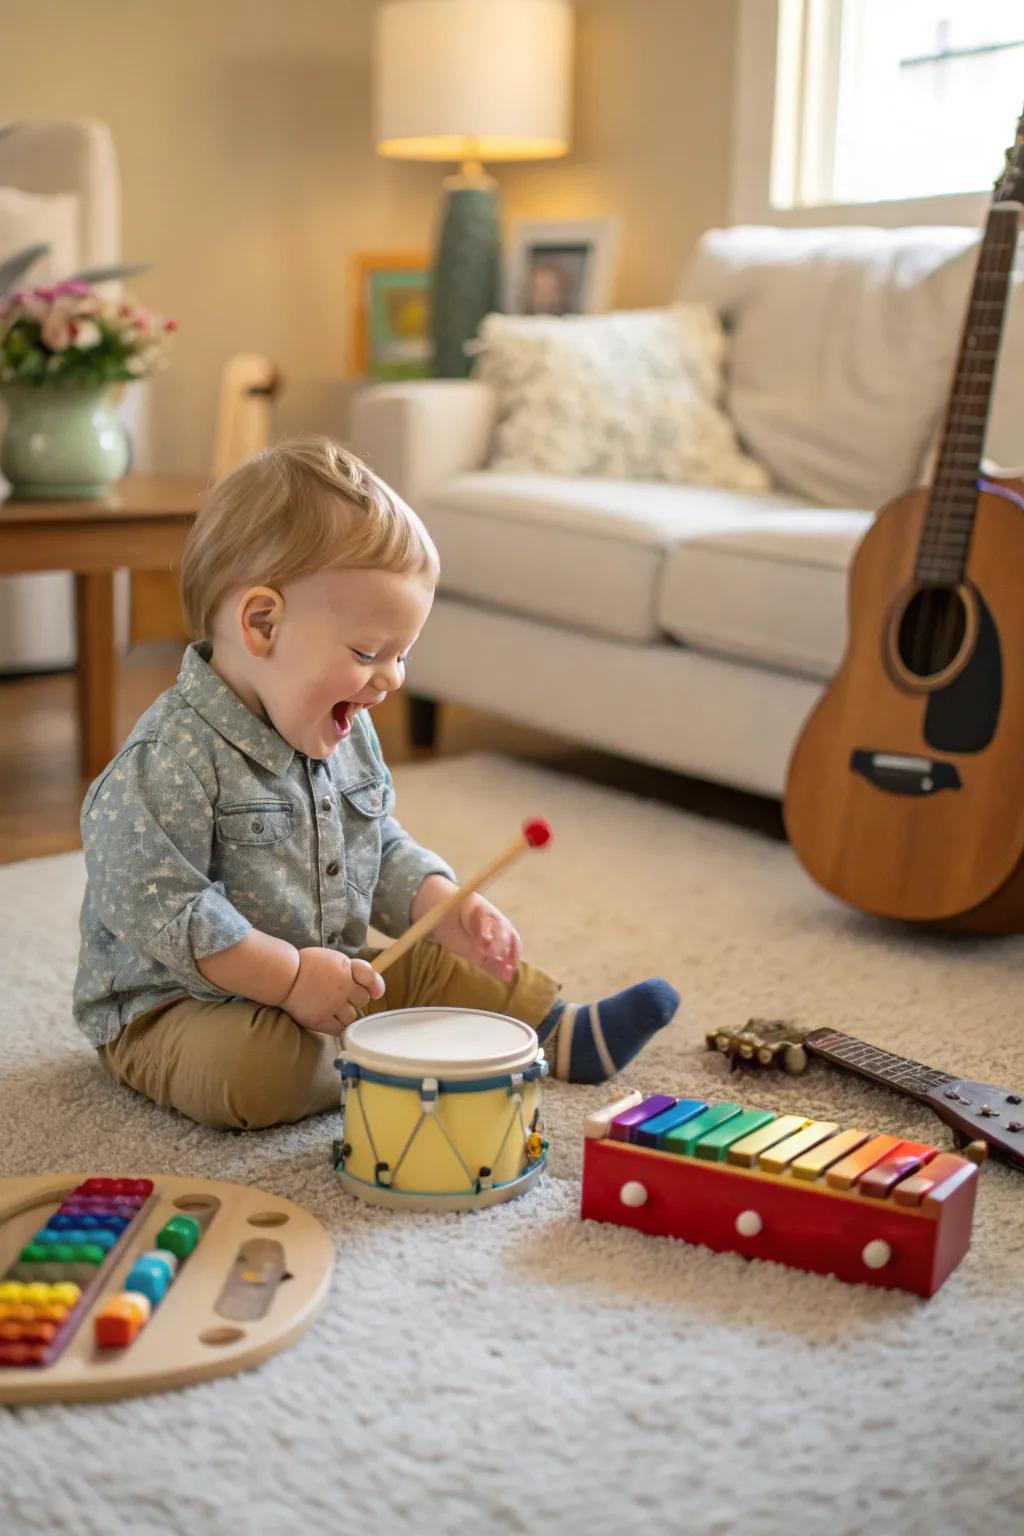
(147,837)
(403,869)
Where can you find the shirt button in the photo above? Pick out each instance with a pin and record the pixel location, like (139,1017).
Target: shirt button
(257,826)
(332,868)
(325,804)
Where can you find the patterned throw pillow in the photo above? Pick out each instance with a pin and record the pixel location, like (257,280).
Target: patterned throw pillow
(627,396)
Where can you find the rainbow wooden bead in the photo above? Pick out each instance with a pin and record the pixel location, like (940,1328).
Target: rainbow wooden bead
(179,1236)
(43,1291)
(151,1274)
(118,1324)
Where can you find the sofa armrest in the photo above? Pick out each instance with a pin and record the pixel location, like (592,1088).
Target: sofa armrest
(419,434)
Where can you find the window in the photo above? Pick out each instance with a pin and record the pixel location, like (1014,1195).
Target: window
(882,99)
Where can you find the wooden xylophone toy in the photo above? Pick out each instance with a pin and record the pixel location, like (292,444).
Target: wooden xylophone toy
(113,1286)
(875,1209)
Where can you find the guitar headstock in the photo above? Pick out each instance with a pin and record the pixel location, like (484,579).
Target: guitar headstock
(762,1043)
(1009,188)
(981,1111)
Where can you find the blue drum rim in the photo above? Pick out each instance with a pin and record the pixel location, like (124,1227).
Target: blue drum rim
(528,1176)
(352,1070)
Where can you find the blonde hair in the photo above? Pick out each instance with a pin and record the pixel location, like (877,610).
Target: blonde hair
(301,506)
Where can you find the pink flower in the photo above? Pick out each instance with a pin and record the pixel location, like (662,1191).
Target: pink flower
(170,325)
(58,328)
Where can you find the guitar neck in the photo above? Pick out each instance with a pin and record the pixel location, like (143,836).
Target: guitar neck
(883,1067)
(946,536)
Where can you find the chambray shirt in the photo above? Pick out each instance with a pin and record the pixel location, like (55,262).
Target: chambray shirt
(208,824)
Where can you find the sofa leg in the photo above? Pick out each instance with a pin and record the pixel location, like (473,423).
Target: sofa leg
(423,721)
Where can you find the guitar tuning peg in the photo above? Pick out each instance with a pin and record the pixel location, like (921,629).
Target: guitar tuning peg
(794,1059)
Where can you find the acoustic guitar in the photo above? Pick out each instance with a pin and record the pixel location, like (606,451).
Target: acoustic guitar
(905,793)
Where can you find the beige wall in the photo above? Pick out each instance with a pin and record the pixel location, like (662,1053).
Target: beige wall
(249,178)
(653,108)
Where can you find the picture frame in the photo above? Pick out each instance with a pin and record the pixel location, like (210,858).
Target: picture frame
(390,334)
(561,266)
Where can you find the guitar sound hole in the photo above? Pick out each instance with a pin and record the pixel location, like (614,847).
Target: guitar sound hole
(932,630)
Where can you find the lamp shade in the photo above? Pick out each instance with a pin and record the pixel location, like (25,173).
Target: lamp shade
(473,79)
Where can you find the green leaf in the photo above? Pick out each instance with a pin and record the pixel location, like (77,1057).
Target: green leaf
(110,273)
(12,268)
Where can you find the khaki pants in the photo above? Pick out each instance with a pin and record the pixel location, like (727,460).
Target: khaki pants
(238,1065)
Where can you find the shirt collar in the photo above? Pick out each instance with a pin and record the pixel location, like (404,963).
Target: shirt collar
(211,697)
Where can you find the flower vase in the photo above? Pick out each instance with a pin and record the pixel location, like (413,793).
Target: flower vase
(63,441)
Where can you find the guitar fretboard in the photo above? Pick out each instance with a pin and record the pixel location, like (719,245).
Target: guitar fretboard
(946,535)
(882,1066)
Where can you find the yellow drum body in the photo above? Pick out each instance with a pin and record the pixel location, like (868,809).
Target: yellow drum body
(441,1108)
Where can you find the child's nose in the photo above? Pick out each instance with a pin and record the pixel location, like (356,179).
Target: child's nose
(387,677)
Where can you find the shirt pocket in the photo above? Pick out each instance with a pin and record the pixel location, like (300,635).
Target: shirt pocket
(367,797)
(363,811)
(255,824)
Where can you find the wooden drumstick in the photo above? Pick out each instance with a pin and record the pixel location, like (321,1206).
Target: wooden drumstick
(534,835)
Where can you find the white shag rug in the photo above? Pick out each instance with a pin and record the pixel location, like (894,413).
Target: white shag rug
(515,1370)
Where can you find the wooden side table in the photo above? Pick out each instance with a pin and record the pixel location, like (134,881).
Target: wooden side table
(140,527)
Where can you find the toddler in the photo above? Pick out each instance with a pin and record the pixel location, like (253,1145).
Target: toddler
(243,838)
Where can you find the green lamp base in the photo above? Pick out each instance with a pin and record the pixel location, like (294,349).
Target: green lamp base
(467,275)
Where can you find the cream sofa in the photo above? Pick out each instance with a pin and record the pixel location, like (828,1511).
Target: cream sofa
(688,627)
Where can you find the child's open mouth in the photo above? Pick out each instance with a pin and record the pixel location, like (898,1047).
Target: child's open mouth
(342,713)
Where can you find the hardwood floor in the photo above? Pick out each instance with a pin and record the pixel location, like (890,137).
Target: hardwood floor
(41,791)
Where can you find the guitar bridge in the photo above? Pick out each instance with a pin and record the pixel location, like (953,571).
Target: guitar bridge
(901,774)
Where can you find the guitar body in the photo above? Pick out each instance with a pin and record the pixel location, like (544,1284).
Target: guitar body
(905,794)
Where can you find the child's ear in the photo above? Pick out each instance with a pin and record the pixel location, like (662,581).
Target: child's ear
(259,616)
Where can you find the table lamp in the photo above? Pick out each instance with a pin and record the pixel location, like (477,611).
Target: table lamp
(470,80)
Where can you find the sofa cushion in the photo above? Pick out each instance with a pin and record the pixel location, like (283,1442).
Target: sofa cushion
(842,350)
(633,395)
(772,591)
(584,553)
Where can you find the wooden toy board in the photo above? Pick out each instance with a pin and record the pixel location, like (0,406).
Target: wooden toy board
(199,1330)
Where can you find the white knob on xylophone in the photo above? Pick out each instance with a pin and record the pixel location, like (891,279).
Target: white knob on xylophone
(633,1193)
(748,1223)
(876,1254)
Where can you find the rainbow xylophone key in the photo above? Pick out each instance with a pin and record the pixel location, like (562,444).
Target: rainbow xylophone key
(51,1285)
(876,1209)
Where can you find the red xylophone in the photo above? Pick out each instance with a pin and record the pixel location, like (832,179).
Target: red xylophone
(877,1209)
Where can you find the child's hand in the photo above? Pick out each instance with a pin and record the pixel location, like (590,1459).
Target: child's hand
(481,934)
(329,989)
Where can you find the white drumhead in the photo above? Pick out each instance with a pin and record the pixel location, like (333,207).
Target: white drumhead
(455,1043)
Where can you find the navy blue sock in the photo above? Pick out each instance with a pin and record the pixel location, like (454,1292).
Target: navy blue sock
(590,1042)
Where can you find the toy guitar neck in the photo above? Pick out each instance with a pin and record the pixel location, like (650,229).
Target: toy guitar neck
(973,1111)
(881,1066)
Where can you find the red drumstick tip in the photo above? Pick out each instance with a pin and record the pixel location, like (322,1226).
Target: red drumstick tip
(537,832)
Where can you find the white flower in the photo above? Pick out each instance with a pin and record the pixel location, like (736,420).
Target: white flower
(87,334)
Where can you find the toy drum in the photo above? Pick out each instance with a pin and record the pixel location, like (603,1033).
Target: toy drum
(441,1108)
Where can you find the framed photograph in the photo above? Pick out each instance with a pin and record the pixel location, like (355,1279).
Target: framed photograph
(391,323)
(561,267)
